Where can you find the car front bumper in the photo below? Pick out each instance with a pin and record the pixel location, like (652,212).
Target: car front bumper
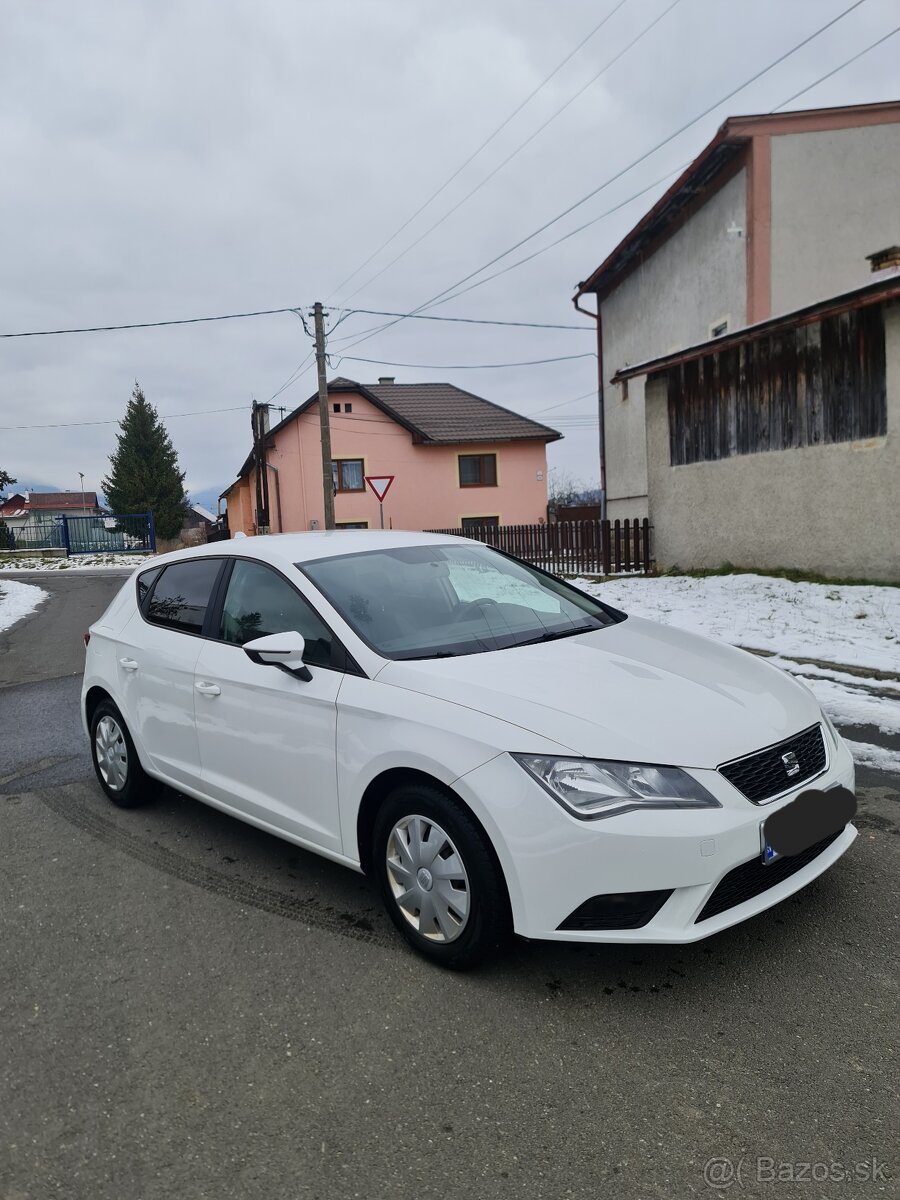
(554,862)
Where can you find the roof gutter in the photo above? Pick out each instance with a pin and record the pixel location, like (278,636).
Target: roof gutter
(600,409)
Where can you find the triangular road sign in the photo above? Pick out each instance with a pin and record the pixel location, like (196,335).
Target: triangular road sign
(380,484)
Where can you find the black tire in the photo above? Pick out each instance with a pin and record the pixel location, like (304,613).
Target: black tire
(486,928)
(136,786)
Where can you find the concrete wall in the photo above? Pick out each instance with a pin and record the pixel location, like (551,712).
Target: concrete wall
(835,199)
(832,510)
(425,493)
(696,278)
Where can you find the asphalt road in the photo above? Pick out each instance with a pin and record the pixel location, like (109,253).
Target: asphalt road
(191,1008)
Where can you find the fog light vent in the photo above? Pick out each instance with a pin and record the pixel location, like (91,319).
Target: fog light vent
(616,910)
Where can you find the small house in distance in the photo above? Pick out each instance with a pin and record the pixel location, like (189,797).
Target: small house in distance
(457,461)
(31,509)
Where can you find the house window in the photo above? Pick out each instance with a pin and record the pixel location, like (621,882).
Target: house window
(336,408)
(718,328)
(351,524)
(478,470)
(469,524)
(348,408)
(348,475)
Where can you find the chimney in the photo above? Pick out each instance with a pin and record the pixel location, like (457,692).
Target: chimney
(385,379)
(885,260)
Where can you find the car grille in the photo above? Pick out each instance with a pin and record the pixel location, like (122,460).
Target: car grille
(763,775)
(755,877)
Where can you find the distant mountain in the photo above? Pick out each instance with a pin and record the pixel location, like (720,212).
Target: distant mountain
(208,498)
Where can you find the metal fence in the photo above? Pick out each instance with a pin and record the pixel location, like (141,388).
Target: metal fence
(117,533)
(571,547)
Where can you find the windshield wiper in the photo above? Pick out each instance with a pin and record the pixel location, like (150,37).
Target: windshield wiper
(552,636)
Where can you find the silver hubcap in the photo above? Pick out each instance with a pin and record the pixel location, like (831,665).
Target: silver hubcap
(428,879)
(112,753)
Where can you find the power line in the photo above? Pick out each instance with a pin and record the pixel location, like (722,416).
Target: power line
(535,362)
(477,188)
(503,124)
(844,64)
(262,312)
(444,295)
(563,403)
(565,237)
(374,312)
(204,412)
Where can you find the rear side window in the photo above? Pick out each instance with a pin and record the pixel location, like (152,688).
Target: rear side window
(145,583)
(182,593)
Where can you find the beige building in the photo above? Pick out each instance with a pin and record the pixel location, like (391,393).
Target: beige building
(777,213)
(779,445)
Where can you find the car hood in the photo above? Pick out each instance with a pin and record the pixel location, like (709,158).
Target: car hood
(635,690)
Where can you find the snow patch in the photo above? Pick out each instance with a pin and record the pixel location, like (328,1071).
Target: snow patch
(849,626)
(867,755)
(18,600)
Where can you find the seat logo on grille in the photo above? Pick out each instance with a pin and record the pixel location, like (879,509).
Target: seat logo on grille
(791,766)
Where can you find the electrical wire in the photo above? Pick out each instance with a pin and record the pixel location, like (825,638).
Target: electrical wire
(534,362)
(374,312)
(204,412)
(499,129)
(445,294)
(262,312)
(846,63)
(487,178)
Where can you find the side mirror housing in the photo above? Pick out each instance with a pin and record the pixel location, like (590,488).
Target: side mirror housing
(282,650)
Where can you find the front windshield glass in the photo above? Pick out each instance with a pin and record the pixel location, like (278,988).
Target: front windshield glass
(439,600)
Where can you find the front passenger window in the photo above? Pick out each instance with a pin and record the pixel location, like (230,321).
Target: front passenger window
(259,602)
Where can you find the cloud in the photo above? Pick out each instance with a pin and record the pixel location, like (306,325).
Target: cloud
(170,159)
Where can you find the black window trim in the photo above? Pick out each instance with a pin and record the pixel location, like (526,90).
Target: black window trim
(342,660)
(155,571)
(142,608)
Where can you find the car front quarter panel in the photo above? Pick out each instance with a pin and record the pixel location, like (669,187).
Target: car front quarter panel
(382,728)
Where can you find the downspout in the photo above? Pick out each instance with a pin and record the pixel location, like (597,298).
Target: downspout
(600,409)
(277,496)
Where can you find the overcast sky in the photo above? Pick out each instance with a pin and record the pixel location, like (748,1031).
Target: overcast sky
(165,160)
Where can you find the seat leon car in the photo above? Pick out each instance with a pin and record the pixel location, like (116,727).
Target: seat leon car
(502,752)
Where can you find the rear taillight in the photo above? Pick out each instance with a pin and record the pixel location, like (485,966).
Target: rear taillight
(87,638)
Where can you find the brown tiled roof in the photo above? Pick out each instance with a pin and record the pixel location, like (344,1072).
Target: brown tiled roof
(62,500)
(435,414)
(444,413)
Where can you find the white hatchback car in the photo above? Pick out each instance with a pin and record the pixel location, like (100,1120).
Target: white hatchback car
(500,750)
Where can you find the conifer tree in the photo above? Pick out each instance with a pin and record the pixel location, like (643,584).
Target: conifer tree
(144,475)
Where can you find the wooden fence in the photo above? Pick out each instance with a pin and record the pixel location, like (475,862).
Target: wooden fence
(571,547)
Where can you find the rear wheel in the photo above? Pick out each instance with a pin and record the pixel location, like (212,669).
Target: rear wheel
(115,759)
(439,879)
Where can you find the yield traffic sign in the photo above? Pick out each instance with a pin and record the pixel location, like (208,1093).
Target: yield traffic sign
(380,484)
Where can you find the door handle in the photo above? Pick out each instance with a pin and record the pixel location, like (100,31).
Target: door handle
(128,663)
(208,689)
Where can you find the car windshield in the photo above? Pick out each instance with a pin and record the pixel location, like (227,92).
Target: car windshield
(434,601)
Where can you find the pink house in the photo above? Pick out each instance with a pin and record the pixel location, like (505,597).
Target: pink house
(456,459)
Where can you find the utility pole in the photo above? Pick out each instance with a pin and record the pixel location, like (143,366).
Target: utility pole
(324,422)
(258,419)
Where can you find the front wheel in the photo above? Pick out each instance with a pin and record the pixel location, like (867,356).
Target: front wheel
(439,879)
(115,759)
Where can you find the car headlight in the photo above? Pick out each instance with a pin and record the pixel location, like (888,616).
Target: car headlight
(591,788)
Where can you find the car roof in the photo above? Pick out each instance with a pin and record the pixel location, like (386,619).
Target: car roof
(304,547)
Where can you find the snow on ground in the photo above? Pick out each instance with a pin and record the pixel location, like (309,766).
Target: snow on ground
(78,562)
(855,627)
(18,600)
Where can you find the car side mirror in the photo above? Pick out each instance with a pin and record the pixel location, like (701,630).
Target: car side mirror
(282,650)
